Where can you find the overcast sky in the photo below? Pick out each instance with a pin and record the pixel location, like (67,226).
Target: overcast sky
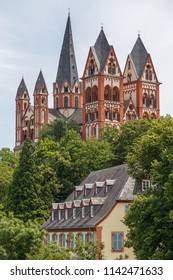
(31,34)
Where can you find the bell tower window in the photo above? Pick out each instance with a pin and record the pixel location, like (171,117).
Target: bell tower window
(57,103)
(66,89)
(91,67)
(76,102)
(66,101)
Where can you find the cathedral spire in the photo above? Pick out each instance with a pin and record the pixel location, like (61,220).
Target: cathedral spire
(139,56)
(67,68)
(102,48)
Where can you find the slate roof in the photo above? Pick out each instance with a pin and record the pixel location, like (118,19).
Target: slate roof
(56,113)
(21,89)
(67,69)
(76,116)
(120,186)
(139,56)
(102,49)
(40,82)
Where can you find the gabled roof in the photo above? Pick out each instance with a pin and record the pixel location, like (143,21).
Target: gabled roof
(76,116)
(21,89)
(118,185)
(102,49)
(67,69)
(40,83)
(139,56)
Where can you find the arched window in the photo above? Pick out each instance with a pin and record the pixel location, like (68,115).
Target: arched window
(94,93)
(57,103)
(129,78)
(107,93)
(148,73)
(91,67)
(145,115)
(76,102)
(88,95)
(65,89)
(65,101)
(111,66)
(116,94)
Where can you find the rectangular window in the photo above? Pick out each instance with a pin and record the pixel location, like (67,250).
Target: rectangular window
(145,185)
(126,208)
(91,211)
(91,236)
(58,239)
(117,241)
(74,213)
(64,240)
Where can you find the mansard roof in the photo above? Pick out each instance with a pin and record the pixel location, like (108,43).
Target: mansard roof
(40,83)
(139,56)
(67,69)
(21,89)
(102,49)
(114,185)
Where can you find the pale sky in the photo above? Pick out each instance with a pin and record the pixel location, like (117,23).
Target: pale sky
(31,34)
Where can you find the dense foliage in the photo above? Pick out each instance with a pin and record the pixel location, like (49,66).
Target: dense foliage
(150,219)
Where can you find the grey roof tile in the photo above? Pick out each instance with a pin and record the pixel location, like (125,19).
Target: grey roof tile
(121,187)
(76,116)
(40,83)
(139,56)
(102,49)
(21,89)
(67,69)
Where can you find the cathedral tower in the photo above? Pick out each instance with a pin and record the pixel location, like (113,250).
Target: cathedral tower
(22,120)
(102,89)
(40,105)
(66,89)
(141,86)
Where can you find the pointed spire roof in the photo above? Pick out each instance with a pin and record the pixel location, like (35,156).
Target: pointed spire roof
(67,69)
(21,89)
(139,56)
(40,82)
(102,48)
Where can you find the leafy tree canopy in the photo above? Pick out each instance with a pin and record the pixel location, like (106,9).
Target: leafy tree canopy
(18,238)
(57,129)
(150,219)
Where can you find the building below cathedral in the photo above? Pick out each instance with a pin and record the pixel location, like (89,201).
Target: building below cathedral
(95,211)
(106,95)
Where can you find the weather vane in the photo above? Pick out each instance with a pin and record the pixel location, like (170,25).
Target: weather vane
(138,33)
(102,25)
(68,11)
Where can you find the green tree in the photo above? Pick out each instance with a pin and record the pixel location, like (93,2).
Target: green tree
(122,141)
(86,156)
(81,251)
(150,218)
(24,192)
(8,162)
(57,129)
(18,238)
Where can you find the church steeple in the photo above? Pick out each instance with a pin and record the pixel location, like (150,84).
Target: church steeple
(66,89)
(67,69)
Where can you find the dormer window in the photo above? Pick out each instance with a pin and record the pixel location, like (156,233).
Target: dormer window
(145,185)
(74,213)
(91,211)
(66,214)
(59,214)
(83,212)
